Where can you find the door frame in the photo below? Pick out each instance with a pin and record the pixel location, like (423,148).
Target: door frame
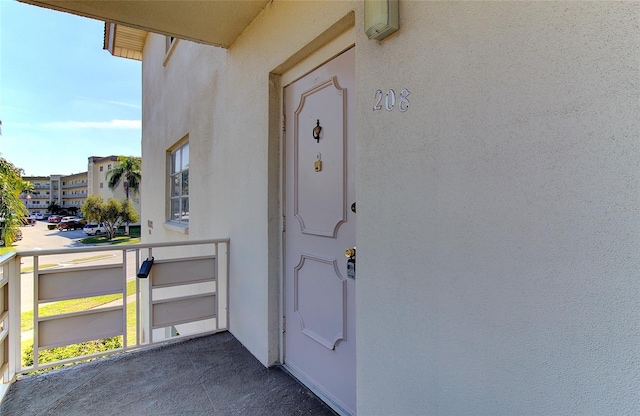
(342,41)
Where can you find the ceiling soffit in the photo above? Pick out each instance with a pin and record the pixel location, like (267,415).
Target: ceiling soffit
(123,41)
(218,22)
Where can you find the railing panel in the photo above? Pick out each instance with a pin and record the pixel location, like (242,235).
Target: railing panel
(79,282)
(178,311)
(80,327)
(183,271)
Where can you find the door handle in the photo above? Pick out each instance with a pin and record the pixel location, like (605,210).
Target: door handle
(350,254)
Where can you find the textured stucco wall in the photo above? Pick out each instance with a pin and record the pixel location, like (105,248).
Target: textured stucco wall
(497,225)
(498,218)
(221,99)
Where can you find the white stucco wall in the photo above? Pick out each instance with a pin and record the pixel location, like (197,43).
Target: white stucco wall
(221,99)
(498,218)
(497,225)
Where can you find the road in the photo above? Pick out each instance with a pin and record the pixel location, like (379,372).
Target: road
(39,237)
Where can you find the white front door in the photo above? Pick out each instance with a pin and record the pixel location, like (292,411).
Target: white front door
(319,338)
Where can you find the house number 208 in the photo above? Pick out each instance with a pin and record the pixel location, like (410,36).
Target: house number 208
(390,100)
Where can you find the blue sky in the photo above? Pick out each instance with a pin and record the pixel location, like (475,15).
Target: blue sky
(62,97)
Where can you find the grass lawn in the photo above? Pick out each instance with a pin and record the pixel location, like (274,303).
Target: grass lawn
(73,305)
(80,260)
(120,238)
(96,257)
(40,267)
(78,305)
(5,250)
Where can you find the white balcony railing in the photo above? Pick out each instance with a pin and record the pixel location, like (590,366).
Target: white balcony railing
(185,295)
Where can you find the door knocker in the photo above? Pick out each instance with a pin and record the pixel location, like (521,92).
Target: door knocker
(316,131)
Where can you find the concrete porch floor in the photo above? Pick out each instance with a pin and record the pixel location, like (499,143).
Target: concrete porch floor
(212,375)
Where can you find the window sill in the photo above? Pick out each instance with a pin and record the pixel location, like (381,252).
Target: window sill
(174,226)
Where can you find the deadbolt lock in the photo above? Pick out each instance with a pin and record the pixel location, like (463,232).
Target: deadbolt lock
(350,252)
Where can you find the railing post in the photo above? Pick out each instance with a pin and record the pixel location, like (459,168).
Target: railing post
(15,310)
(36,304)
(138,301)
(146,336)
(124,299)
(222,288)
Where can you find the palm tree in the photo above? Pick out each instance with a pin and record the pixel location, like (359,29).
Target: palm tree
(12,209)
(129,171)
(53,208)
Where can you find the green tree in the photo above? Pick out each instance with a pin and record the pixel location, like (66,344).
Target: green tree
(128,171)
(53,208)
(111,213)
(12,209)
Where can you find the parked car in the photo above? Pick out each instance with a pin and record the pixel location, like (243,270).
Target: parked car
(71,218)
(29,221)
(39,216)
(55,218)
(71,225)
(94,229)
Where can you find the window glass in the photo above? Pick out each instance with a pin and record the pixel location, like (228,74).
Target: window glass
(175,186)
(175,165)
(179,185)
(175,209)
(185,210)
(185,182)
(185,156)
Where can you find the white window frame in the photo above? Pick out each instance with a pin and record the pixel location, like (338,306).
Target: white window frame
(178,198)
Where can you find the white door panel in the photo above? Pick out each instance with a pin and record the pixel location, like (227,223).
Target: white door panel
(319,297)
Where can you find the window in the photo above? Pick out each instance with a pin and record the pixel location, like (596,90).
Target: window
(101,168)
(109,166)
(179,185)
(101,185)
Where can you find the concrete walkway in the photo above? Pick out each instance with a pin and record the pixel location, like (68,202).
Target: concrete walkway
(213,375)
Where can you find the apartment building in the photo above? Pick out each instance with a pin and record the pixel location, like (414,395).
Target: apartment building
(70,191)
(97,182)
(42,195)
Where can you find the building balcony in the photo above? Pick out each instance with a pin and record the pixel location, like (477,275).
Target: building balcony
(74,196)
(169,352)
(75,185)
(210,375)
(173,354)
